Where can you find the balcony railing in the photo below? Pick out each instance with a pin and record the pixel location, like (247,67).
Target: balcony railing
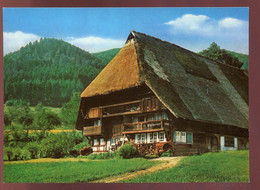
(126,108)
(146,126)
(93,130)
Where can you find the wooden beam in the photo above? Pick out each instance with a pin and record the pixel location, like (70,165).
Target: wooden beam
(143,131)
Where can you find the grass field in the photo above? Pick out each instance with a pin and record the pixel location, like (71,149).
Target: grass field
(70,171)
(228,166)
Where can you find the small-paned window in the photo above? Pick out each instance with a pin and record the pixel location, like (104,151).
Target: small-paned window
(155,136)
(182,137)
(229,141)
(149,137)
(161,136)
(143,137)
(137,138)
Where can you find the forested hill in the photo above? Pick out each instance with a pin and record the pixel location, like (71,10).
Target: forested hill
(105,56)
(241,57)
(49,71)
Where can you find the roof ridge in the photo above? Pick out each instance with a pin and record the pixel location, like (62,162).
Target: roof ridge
(133,32)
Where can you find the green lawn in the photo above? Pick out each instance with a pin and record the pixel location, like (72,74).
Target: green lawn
(228,166)
(70,172)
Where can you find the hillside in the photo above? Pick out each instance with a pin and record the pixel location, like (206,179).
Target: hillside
(49,71)
(225,56)
(106,56)
(241,57)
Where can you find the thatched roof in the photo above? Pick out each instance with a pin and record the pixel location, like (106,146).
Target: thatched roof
(189,85)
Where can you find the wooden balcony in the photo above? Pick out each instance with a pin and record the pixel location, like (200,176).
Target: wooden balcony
(125,108)
(93,130)
(146,126)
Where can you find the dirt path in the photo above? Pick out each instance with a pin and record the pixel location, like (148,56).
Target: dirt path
(167,162)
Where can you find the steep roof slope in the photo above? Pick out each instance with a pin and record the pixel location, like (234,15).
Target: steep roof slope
(121,73)
(190,86)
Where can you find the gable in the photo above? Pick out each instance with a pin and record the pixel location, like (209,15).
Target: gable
(121,73)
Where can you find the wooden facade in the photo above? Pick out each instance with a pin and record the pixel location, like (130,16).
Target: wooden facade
(148,124)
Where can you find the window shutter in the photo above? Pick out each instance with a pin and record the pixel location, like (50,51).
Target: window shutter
(174,136)
(189,137)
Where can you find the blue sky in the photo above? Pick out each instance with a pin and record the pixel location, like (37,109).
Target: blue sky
(98,29)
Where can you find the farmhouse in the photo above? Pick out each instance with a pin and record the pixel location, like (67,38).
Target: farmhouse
(159,96)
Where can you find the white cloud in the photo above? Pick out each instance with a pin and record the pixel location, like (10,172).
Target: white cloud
(13,41)
(204,25)
(95,44)
(230,33)
(232,23)
(191,23)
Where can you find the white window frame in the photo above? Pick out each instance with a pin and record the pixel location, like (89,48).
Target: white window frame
(95,142)
(155,137)
(143,138)
(137,138)
(159,137)
(149,137)
(102,141)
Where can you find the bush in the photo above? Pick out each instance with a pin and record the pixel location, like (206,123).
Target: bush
(33,148)
(6,138)
(59,145)
(16,154)
(128,151)
(166,154)
(25,154)
(75,150)
(8,151)
(19,135)
(46,120)
(7,120)
(102,156)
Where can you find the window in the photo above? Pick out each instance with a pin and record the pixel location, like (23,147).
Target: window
(229,141)
(143,137)
(161,136)
(97,123)
(95,142)
(137,138)
(113,141)
(164,115)
(157,116)
(149,137)
(155,136)
(102,142)
(182,137)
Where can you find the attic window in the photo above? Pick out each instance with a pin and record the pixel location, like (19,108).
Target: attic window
(193,65)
